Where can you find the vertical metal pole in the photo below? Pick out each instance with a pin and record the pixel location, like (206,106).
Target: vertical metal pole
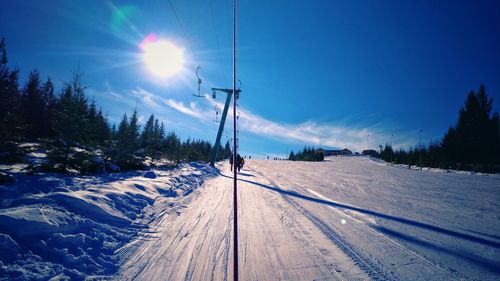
(392,149)
(420,145)
(235,148)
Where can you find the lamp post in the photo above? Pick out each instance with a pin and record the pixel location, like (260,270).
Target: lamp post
(367,141)
(392,149)
(420,147)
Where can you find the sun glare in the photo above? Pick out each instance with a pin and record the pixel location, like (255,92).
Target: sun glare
(163,58)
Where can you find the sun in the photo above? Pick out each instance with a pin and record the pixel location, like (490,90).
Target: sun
(163,58)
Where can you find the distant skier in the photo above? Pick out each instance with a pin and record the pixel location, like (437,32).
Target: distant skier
(231,162)
(242,163)
(238,162)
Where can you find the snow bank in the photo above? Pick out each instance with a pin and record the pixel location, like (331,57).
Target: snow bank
(60,227)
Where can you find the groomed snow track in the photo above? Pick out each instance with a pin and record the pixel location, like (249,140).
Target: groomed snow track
(404,225)
(365,264)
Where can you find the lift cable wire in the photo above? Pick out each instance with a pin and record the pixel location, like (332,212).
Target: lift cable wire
(217,40)
(235,147)
(186,38)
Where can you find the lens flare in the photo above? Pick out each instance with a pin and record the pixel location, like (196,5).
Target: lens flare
(122,15)
(151,38)
(163,58)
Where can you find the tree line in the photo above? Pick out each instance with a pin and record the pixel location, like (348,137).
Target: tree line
(472,144)
(306,154)
(75,132)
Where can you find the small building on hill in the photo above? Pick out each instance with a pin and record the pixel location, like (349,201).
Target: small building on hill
(346,151)
(369,152)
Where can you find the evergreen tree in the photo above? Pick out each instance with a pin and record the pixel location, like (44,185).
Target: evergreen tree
(307,154)
(158,139)
(10,125)
(74,131)
(33,106)
(64,127)
(122,135)
(103,131)
(475,137)
(387,153)
(50,102)
(147,134)
(128,153)
(79,115)
(133,133)
(227,151)
(172,147)
(494,138)
(110,147)
(91,133)
(71,121)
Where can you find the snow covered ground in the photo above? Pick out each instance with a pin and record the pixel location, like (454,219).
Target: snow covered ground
(347,218)
(69,227)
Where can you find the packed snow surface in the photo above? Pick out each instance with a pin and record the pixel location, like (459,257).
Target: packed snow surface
(347,218)
(69,227)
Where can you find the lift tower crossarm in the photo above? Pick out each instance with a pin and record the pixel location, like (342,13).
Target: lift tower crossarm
(215,150)
(227,91)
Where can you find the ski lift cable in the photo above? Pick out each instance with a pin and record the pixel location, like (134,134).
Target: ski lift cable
(186,38)
(217,40)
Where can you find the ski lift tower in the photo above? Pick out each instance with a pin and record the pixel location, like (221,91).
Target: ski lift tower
(229,93)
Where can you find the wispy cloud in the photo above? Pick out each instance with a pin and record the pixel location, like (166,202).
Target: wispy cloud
(148,98)
(353,135)
(306,133)
(310,133)
(191,110)
(111,92)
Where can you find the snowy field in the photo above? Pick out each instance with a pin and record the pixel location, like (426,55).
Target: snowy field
(347,218)
(343,219)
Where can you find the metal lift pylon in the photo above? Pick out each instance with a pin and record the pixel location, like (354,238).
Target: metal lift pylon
(229,93)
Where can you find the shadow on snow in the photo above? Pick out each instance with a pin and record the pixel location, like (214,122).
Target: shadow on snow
(489,265)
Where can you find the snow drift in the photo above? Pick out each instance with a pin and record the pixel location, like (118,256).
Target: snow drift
(64,227)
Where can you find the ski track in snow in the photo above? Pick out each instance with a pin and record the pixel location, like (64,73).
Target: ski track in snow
(287,232)
(402,247)
(363,263)
(347,218)
(364,230)
(272,247)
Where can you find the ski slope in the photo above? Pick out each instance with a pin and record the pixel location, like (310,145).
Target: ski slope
(347,218)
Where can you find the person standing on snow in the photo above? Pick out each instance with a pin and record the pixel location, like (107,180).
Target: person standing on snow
(238,162)
(231,162)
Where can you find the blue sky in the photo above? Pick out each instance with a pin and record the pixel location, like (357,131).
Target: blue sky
(329,72)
